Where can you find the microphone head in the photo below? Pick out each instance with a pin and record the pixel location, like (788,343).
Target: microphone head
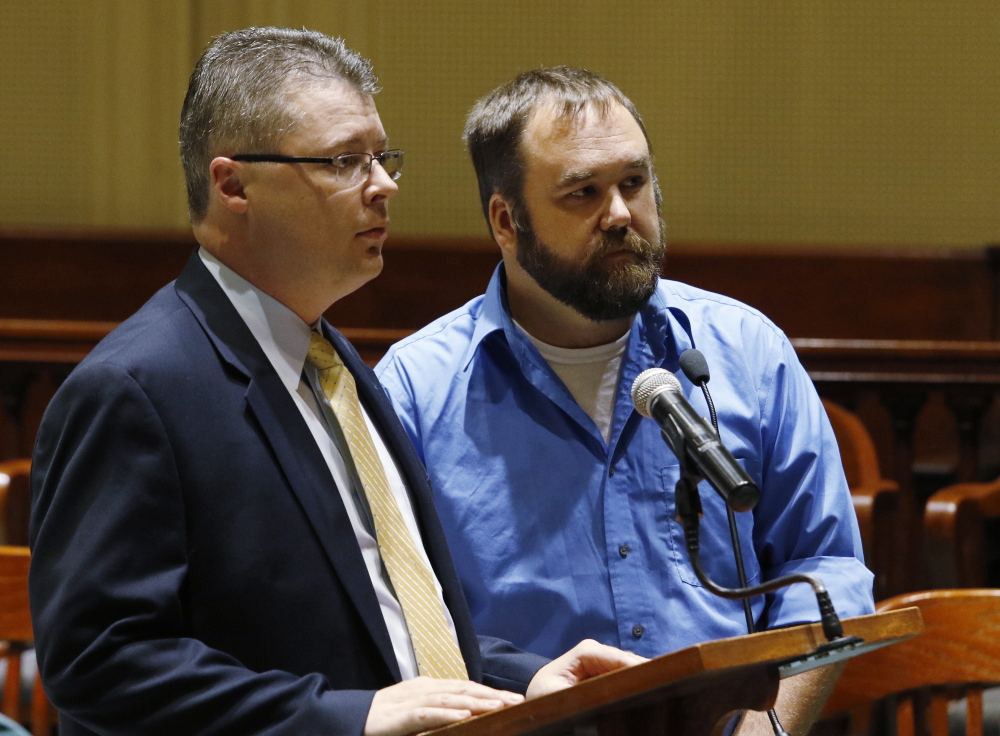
(695,366)
(649,384)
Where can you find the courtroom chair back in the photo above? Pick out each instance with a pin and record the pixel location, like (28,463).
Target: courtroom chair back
(956,657)
(15,501)
(954,533)
(873,496)
(15,630)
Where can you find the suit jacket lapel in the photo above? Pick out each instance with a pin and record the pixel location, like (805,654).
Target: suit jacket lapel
(300,459)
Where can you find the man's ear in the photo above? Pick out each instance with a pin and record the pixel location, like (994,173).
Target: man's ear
(225,184)
(502,224)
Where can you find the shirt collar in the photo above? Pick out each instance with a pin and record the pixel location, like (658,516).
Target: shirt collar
(665,324)
(493,313)
(281,333)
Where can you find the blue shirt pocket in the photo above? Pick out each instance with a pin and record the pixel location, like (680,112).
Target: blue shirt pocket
(715,544)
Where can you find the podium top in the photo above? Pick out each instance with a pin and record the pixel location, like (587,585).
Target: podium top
(683,673)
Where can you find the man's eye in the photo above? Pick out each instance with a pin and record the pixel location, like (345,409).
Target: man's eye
(583,192)
(634,182)
(343,163)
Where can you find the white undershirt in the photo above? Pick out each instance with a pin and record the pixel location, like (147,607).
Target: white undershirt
(590,374)
(284,338)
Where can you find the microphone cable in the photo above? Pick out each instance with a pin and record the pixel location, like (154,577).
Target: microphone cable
(695,367)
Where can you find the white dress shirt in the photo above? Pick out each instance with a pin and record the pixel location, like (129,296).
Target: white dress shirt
(285,338)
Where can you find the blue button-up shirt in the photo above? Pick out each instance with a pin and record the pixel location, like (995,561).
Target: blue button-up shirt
(558,536)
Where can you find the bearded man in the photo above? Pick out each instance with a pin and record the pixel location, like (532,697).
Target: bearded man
(556,496)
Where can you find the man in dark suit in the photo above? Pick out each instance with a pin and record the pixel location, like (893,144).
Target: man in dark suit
(231,532)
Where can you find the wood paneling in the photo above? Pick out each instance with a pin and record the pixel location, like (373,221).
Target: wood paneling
(86,274)
(807,291)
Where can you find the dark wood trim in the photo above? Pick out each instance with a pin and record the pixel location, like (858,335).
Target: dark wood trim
(937,362)
(808,290)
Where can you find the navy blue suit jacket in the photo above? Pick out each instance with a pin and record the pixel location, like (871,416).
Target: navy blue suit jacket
(194,570)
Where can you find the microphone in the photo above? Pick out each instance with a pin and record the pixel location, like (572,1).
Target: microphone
(657,395)
(695,366)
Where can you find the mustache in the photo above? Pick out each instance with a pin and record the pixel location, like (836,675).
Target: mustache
(625,239)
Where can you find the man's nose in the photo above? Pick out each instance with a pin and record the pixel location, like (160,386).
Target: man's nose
(380,185)
(617,214)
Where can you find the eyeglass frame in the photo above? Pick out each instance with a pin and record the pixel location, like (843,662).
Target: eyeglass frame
(280,158)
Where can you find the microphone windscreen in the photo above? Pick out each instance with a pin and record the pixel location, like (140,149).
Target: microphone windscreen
(695,366)
(648,384)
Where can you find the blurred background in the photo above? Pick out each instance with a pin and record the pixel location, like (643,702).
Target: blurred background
(853,123)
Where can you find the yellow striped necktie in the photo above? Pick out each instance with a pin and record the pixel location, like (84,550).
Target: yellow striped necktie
(436,650)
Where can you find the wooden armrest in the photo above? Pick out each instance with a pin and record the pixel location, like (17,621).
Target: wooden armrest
(871,502)
(985,496)
(953,533)
(875,506)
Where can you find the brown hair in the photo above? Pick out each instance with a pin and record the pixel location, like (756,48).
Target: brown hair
(496,123)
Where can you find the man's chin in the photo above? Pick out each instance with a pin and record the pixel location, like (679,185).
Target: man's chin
(629,279)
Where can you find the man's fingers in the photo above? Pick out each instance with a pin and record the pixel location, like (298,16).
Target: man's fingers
(452,701)
(426,718)
(586,659)
(595,658)
(424,703)
(463,688)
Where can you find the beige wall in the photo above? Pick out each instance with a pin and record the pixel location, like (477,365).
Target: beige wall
(837,121)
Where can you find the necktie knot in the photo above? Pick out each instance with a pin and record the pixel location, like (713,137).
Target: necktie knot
(321,353)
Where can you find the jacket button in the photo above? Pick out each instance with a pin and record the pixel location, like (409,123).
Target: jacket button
(637,631)
(623,550)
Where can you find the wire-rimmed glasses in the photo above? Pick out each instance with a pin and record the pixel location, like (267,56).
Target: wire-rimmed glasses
(349,168)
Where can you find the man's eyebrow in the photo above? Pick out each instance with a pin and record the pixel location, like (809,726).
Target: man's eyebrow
(579,175)
(357,140)
(574,177)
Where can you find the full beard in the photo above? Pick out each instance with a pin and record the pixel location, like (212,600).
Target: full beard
(599,291)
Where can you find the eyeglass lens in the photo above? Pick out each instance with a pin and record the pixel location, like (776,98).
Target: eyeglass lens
(355,165)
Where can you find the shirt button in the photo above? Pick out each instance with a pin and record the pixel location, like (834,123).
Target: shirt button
(637,631)
(611,471)
(623,550)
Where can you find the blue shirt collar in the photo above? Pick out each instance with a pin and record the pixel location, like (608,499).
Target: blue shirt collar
(494,314)
(666,327)
(663,323)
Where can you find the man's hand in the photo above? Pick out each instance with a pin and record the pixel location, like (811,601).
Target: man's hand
(424,703)
(585,660)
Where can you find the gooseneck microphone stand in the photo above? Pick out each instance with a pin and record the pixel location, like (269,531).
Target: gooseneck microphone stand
(689,511)
(701,381)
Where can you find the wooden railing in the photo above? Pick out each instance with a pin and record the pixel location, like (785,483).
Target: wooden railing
(904,375)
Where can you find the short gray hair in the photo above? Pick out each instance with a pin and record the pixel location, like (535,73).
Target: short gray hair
(236,103)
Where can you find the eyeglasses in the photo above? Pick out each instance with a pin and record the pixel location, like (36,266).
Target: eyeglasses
(348,168)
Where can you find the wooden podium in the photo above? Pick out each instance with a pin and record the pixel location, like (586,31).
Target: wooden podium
(691,692)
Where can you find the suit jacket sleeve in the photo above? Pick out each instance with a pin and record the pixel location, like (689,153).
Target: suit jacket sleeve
(505,667)
(108,594)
